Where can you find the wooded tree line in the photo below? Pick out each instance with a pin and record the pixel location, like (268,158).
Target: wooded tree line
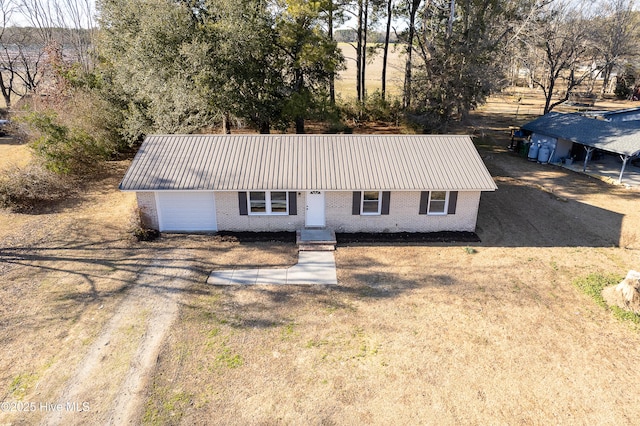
(187,65)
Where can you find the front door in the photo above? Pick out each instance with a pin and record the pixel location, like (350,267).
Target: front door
(314,213)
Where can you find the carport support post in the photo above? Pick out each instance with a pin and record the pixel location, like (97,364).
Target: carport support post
(586,157)
(624,158)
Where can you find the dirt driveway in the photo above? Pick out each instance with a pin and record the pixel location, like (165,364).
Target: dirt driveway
(84,309)
(547,206)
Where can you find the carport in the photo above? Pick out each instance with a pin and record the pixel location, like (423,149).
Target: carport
(619,138)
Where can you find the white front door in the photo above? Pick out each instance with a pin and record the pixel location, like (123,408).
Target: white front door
(314,213)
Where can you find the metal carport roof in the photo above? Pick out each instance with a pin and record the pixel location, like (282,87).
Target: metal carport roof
(620,137)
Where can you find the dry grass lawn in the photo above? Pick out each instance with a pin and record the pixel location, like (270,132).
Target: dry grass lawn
(494,333)
(411,335)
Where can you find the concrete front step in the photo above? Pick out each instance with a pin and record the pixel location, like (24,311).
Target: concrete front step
(316,239)
(316,247)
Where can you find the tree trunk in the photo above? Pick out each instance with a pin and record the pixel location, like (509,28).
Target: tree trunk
(6,93)
(548,96)
(226,124)
(265,127)
(386,49)
(364,49)
(332,76)
(452,15)
(606,76)
(300,111)
(406,96)
(359,52)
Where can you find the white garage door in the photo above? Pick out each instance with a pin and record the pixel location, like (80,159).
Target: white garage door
(186,211)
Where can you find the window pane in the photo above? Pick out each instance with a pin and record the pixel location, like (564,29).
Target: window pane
(370,202)
(436,207)
(438,195)
(258,202)
(278,202)
(437,202)
(370,207)
(371,196)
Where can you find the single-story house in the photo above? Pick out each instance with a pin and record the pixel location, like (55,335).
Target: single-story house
(348,183)
(561,131)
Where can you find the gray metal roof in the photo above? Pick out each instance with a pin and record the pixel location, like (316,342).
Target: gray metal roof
(307,162)
(626,111)
(619,137)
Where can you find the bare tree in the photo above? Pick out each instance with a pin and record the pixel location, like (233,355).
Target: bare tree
(80,28)
(68,22)
(20,55)
(42,15)
(7,70)
(66,27)
(561,38)
(616,30)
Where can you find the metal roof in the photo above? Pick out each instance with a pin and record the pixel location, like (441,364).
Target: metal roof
(307,162)
(622,137)
(625,111)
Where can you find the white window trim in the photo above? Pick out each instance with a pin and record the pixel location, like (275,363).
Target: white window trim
(268,207)
(378,212)
(446,204)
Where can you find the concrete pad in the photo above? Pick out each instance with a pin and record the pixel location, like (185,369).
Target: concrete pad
(323,258)
(272,276)
(220,278)
(607,169)
(313,268)
(244,276)
(236,276)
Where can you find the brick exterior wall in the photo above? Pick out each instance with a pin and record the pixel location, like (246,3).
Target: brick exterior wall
(403,214)
(147,209)
(229,218)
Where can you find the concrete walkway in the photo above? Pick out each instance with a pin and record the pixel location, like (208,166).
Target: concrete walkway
(314,267)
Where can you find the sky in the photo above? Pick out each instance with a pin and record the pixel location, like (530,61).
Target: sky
(73,13)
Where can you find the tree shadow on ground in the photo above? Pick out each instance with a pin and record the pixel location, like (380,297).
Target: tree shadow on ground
(269,306)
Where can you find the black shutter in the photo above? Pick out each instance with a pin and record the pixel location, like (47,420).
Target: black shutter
(453,201)
(242,203)
(424,202)
(293,203)
(386,197)
(355,208)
